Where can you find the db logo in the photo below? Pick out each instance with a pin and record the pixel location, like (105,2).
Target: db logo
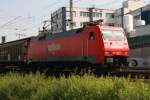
(53,47)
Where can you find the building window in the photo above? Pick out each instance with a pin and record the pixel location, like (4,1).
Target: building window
(109,15)
(84,14)
(57,16)
(93,14)
(81,23)
(98,15)
(111,24)
(67,23)
(137,17)
(80,13)
(74,24)
(87,14)
(74,13)
(68,13)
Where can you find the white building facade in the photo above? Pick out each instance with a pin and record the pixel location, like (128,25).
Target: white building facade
(136,8)
(60,18)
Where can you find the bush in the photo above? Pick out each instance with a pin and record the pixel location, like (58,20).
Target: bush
(39,87)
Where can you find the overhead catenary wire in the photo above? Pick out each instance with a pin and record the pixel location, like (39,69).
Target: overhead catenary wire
(14,22)
(30,27)
(43,15)
(54,4)
(10,21)
(51,5)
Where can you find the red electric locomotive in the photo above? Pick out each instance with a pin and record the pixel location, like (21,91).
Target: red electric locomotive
(93,44)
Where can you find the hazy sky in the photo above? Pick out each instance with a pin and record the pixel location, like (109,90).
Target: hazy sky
(25,16)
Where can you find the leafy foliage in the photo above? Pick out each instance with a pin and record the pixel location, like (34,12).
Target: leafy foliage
(88,87)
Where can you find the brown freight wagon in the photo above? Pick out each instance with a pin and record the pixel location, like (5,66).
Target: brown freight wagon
(14,52)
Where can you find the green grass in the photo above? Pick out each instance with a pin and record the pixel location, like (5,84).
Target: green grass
(39,87)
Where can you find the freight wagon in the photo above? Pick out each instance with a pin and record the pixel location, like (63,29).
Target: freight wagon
(14,53)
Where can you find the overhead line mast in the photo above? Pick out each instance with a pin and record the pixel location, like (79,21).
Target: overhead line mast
(71,14)
(91,14)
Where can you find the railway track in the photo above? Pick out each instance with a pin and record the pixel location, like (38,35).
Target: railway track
(133,72)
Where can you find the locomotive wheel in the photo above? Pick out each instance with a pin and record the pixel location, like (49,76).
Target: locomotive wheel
(134,63)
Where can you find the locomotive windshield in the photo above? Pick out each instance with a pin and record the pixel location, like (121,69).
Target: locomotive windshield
(113,35)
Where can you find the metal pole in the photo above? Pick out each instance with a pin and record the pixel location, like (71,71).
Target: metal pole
(3,39)
(71,14)
(91,14)
(122,15)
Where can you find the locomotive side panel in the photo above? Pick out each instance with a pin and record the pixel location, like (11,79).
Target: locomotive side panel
(37,50)
(57,49)
(54,49)
(66,48)
(94,44)
(73,47)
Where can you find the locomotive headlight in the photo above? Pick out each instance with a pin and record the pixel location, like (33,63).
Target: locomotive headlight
(109,59)
(126,53)
(118,53)
(106,53)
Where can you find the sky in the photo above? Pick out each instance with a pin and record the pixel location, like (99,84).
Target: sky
(22,18)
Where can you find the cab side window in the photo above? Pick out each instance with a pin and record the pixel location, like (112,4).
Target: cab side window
(91,36)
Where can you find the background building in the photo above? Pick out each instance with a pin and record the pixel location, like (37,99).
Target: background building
(142,30)
(135,8)
(133,4)
(60,18)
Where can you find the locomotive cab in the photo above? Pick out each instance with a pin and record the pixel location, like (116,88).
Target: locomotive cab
(115,45)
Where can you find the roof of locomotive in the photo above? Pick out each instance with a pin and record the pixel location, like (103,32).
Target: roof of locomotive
(71,32)
(111,27)
(58,35)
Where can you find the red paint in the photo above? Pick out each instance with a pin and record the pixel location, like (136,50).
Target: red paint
(77,45)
